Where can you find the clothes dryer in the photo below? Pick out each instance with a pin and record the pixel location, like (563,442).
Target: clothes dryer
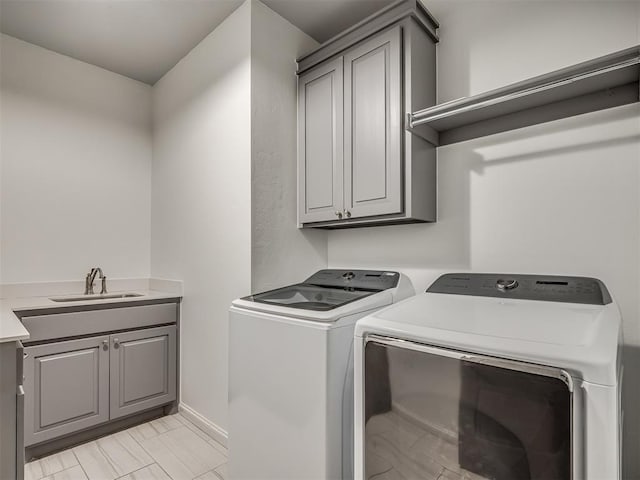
(490,376)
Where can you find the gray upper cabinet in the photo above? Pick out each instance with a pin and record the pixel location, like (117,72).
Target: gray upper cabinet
(372,153)
(357,165)
(142,370)
(320,146)
(66,387)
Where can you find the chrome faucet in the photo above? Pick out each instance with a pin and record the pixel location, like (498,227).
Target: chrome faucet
(90,278)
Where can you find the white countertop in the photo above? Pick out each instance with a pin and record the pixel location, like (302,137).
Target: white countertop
(12,329)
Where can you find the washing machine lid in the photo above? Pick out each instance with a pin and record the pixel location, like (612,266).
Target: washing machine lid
(309,297)
(327,295)
(581,338)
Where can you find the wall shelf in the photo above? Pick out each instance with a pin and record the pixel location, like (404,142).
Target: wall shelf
(597,84)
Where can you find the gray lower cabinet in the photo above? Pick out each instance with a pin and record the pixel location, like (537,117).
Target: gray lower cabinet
(11,411)
(66,387)
(142,370)
(76,384)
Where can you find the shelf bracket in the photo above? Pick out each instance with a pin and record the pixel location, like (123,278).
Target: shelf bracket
(425,132)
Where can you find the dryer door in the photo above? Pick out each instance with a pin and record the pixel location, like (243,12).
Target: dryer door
(443,414)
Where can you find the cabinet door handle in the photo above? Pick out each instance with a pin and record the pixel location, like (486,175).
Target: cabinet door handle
(116,343)
(347,213)
(25,355)
(105,344)
(339,214)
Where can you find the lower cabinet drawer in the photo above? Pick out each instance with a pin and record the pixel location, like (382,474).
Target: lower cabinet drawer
(76,384)
(94,322)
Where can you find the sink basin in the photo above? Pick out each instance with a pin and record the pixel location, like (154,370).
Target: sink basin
(83,298)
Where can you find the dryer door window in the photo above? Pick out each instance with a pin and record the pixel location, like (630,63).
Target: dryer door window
(438,414)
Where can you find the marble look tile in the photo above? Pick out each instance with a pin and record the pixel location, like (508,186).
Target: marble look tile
(413,451)
(152,472)
(194,428)
(378,424)
(168,422)
(404,434)
(222,470)
(440,450)
(461,474)
(155,427)
(449,475)
(375,464)
(392,474)
(49,465)
(412,469)
(73,473)
(94,462)
(183,454)
(111,457)
(221,448)
(210,475)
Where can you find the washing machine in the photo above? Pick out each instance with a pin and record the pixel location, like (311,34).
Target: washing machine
(487,376)
(291,374)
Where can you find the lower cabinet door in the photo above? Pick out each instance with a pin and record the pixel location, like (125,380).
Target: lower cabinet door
(143,370)
(66,387)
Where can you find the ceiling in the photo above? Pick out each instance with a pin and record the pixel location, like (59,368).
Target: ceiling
(143,39)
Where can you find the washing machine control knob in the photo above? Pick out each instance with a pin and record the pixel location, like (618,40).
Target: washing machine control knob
(506,284)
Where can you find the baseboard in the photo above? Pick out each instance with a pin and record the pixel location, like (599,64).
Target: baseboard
(214,431)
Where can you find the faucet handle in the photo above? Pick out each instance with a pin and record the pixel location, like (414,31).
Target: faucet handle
(103,290)
(88,286)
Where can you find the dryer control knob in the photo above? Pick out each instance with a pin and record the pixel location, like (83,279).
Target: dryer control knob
(348,276)
(508,284)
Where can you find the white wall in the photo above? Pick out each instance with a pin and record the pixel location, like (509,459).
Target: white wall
(75,165)
(201,200)
(561,197)
(224,186)
(281,253)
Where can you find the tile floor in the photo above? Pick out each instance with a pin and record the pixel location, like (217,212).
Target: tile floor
(397,449)
(168,448)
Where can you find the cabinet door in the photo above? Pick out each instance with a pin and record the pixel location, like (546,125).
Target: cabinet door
(320,143)
(66,387)
(373,126)
(142,369)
